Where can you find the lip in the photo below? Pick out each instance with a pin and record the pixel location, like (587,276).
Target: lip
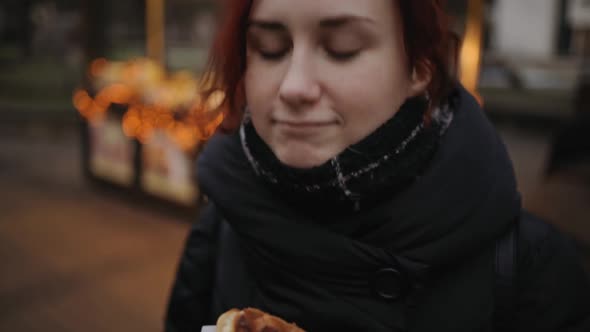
(303,129)
(304,124)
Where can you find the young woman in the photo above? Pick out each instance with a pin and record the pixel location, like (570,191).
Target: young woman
(363,188)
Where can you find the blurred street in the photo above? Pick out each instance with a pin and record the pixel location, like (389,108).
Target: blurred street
(77,259)
(74,259)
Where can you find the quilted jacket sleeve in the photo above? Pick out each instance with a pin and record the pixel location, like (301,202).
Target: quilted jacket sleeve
(189,305)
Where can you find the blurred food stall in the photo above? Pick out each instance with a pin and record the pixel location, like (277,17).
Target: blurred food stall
(144,110)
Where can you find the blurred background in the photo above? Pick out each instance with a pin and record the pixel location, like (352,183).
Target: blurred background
(101,121)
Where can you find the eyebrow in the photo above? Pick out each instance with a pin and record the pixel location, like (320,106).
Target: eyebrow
(339,21)
(267,25)
(332,22)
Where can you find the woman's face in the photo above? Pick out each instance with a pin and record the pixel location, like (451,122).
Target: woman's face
(322,75)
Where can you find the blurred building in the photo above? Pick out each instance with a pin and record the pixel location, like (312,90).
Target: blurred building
(46,45)
(579,19)
(532,60)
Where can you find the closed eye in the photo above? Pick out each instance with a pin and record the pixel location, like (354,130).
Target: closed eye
(273,55)
(343,55)
(270,45)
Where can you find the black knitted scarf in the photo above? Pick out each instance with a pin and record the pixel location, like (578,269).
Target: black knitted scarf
(385,162)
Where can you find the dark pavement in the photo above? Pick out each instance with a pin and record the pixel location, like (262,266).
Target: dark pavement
(77,259)
(74,259)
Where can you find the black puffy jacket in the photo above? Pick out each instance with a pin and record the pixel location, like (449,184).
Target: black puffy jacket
(441,234)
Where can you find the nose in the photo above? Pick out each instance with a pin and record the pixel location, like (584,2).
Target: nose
(300,86)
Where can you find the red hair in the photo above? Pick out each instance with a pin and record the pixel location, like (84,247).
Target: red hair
(430,46)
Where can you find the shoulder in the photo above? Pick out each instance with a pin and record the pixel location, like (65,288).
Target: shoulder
(221,148)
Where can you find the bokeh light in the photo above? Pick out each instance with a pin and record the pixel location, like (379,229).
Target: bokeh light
(153,100)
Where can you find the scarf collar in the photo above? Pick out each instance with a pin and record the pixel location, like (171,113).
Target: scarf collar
(382,164)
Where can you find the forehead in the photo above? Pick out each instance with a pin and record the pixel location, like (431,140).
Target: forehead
(295,12)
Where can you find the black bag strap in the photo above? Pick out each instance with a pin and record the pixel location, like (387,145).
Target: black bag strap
(505,281)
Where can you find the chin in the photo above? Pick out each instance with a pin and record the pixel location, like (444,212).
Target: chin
(302,158)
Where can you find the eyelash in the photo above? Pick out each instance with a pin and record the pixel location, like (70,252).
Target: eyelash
(338,56)
(272,56)
(343,56)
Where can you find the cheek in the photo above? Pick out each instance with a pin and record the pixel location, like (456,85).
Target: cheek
(262,81)
(368,94)
(379,76)
(261,92)
(258,89)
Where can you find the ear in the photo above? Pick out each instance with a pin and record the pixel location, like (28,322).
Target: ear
(420,79)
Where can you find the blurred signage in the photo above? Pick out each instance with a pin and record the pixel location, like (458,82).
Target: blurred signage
(167,170)
(111,152)
(535,36)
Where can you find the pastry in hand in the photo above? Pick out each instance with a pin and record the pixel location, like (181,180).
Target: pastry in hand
(253,320)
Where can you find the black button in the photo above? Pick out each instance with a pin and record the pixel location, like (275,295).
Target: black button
(390,284)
